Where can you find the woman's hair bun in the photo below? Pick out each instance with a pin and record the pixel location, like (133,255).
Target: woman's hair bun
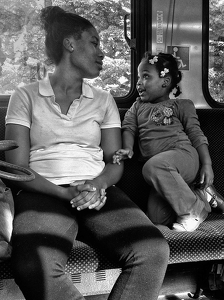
(49,15)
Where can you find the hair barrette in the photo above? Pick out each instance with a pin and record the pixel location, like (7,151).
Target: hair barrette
(153,60)
(164,72)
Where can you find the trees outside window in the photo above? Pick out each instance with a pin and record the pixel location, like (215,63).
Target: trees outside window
(216,50)
(22,58)
(22,55)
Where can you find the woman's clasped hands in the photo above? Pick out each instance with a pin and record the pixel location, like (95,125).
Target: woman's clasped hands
(87,195)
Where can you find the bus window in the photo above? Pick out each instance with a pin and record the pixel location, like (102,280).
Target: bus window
(22,58)
(216,50)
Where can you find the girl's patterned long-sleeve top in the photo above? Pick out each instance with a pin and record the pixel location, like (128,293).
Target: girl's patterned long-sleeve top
(164,126)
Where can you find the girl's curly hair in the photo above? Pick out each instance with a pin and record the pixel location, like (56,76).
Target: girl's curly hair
(166,61)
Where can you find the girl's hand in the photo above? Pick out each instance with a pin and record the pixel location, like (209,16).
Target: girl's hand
(122,154)
(94,199)
(206,176)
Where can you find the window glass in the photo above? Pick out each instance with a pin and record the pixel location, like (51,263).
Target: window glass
(22,57)
(216,50)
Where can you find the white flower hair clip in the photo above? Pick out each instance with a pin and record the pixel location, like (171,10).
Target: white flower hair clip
(164,72)
(153,60)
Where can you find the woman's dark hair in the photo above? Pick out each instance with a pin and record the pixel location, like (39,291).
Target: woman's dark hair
(59,24)
(165,61)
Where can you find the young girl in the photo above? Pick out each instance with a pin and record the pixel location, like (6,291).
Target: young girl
(171,144)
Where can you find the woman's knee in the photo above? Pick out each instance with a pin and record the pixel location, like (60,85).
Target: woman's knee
(153,249)
(26,269)
(159,249)
(33,258)
(159,256)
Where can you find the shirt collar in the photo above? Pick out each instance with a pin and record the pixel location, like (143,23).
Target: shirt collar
(87,90)
(45,88)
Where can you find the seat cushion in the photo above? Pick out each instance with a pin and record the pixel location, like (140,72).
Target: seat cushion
(204,244)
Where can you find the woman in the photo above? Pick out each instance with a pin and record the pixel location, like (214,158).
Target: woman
(67,132)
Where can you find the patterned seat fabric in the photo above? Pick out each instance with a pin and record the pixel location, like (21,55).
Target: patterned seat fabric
(206,243)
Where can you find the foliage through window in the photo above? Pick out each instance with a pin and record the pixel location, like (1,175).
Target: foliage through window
(216,50)
(22,56)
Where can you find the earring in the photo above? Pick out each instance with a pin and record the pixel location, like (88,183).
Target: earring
(164,85)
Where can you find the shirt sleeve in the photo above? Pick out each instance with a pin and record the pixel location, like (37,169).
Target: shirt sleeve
(130,120)
(19,111)
(191,124)
(112,116)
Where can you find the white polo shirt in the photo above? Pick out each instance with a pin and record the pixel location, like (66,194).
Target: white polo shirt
(64,148)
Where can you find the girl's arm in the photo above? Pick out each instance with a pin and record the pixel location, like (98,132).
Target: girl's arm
(128,140)
(189,119)
(130,129)
(206,172)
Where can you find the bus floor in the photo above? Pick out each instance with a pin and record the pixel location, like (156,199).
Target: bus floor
(206,295)
(187,281)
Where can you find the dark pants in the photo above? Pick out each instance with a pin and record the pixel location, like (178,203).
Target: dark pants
(44,231)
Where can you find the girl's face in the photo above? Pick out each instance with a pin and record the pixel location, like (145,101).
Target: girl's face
(150,86)
(87,57)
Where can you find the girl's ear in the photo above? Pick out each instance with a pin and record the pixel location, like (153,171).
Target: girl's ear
(68,45)
(166,81)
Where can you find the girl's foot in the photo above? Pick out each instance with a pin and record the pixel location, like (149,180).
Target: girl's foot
(189,223)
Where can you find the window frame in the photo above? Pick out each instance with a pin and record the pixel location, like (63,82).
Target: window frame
(4,99)
(205,57)
(141,35)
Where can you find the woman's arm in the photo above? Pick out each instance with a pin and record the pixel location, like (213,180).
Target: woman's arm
(110,142)
(20,156)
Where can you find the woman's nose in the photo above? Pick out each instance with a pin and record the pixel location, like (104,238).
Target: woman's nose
(101,54)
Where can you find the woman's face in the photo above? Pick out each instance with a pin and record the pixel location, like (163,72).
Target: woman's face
(87,57)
